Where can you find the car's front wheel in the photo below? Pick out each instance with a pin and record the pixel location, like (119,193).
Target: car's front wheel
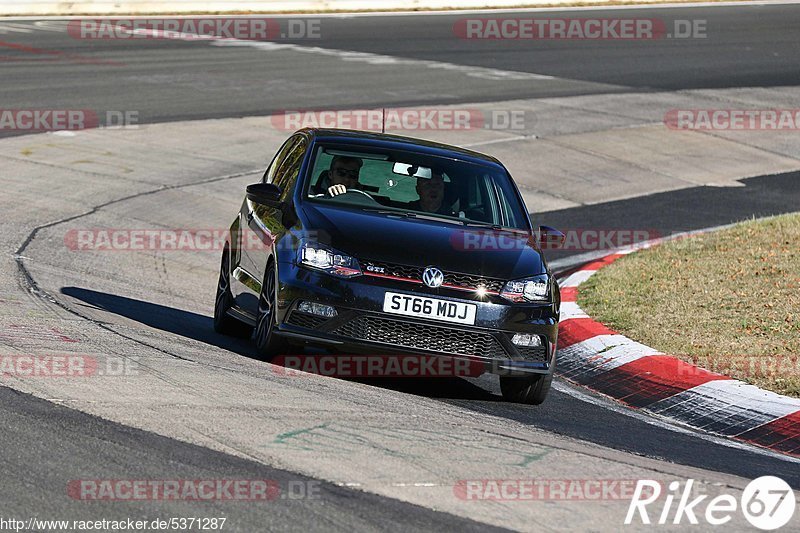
(224,323)
(531,390)
(268,344)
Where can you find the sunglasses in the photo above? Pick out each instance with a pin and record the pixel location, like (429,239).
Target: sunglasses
(353,174)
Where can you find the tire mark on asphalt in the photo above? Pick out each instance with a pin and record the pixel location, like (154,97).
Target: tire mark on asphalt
(327,437)
(29,285)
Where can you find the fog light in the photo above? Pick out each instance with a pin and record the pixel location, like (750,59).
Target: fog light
(524,339)
(317,309)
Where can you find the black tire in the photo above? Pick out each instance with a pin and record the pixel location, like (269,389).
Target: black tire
(268,345)
(529,390)
(224,323)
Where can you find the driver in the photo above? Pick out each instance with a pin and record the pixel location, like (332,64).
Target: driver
(344,174)
(431,195)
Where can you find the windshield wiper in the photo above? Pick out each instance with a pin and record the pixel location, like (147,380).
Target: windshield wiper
(424,216)
(414,214)
(482,225)
(409,214)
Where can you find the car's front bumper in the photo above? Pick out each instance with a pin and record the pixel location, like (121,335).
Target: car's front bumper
(361,326)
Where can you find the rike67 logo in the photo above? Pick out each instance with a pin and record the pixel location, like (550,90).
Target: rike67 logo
(767,503)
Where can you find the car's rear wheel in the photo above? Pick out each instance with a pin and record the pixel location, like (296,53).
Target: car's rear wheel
(268,344)
(224,323)
(531,390)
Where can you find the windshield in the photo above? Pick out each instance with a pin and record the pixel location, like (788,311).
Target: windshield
(415,185)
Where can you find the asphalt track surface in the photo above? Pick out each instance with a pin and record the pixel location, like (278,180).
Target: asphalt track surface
(33,484)
(166,80)
(753,46)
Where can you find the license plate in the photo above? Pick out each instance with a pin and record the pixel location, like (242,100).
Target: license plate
(420,306)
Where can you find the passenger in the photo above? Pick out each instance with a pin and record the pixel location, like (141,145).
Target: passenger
(431,195)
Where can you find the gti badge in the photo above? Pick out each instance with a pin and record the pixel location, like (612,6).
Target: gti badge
(433,277)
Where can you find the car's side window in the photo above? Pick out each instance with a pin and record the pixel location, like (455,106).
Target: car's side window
(491,206)
(505,208)
(269,175)
(287,172)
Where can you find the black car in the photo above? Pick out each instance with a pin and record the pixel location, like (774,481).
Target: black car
(371,243)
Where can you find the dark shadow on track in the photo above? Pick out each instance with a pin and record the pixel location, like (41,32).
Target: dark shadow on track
(200,328)
(439,388)
(169,319)
(671,212)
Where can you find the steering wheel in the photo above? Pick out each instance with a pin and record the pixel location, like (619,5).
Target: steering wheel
(365,193)
(363,198)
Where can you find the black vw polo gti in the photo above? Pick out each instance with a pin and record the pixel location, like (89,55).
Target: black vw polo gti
(371,243)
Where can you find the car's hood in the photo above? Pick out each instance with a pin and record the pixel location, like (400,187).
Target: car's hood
(450,247)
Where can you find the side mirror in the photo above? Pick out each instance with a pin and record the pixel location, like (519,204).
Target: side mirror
(550,238)
(264,193)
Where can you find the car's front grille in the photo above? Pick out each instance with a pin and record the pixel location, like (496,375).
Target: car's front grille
(305,320)
(533,353)
(413,273)
(473,282)
(422,337)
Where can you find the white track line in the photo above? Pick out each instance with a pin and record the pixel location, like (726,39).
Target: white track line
(362,57)
(382,60)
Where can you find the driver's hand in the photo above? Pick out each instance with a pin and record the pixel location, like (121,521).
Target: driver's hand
(337,189)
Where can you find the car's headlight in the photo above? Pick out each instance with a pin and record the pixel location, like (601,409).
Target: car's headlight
(533,289)
(325,258)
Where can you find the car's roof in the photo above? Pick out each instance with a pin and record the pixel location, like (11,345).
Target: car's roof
(397,142)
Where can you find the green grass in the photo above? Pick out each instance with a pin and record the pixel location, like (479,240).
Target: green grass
(728,301)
